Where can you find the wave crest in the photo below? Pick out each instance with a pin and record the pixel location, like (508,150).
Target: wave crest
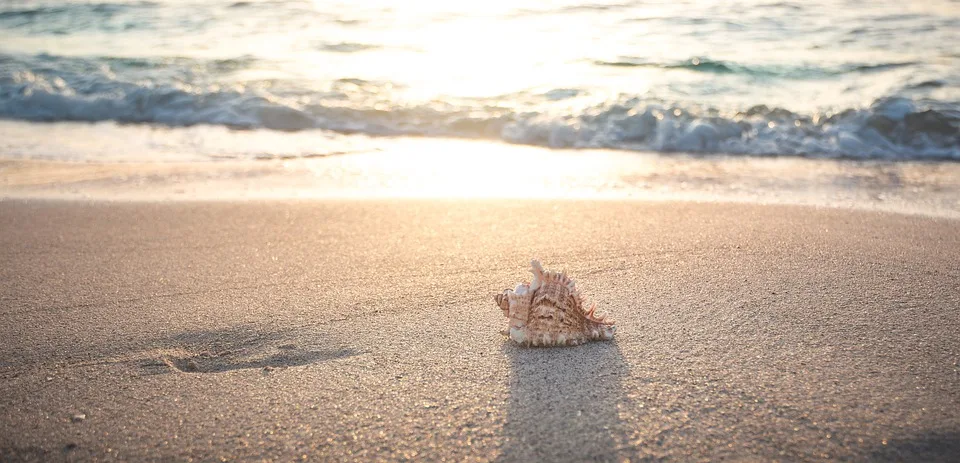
(891,128)
(712,66)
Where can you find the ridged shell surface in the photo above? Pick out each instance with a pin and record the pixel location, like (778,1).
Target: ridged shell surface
(550,311)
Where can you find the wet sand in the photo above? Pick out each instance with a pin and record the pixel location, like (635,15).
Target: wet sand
(417,168)
(365,330)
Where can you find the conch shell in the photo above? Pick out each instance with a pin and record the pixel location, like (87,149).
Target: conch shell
(550,312)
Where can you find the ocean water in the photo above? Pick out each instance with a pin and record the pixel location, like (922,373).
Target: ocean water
(819,78)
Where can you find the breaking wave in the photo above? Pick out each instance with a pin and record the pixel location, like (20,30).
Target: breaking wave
(890,128)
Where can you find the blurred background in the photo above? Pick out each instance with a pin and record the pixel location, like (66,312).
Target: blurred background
(749,95)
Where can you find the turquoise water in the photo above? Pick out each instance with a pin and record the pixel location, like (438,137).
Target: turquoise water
(831,78)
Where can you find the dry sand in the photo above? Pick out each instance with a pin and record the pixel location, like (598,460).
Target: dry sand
(365,330)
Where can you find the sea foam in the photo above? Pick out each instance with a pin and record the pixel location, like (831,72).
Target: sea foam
(49,89)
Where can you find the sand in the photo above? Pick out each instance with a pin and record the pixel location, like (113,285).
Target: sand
(365,330)
(422,168)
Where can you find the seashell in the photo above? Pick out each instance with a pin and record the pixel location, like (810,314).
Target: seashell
(550,311)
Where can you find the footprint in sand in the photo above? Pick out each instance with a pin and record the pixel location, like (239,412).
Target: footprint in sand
(218,352)
(281,357)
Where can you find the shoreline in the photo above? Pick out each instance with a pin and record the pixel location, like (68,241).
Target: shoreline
(422,169)
(366,330)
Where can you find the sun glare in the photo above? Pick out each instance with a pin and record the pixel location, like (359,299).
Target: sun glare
(420,168)
(470,50)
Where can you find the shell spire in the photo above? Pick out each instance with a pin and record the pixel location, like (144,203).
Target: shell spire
(550,311)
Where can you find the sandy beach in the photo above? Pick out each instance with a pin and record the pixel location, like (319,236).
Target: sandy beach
(365,330)
(275,230)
